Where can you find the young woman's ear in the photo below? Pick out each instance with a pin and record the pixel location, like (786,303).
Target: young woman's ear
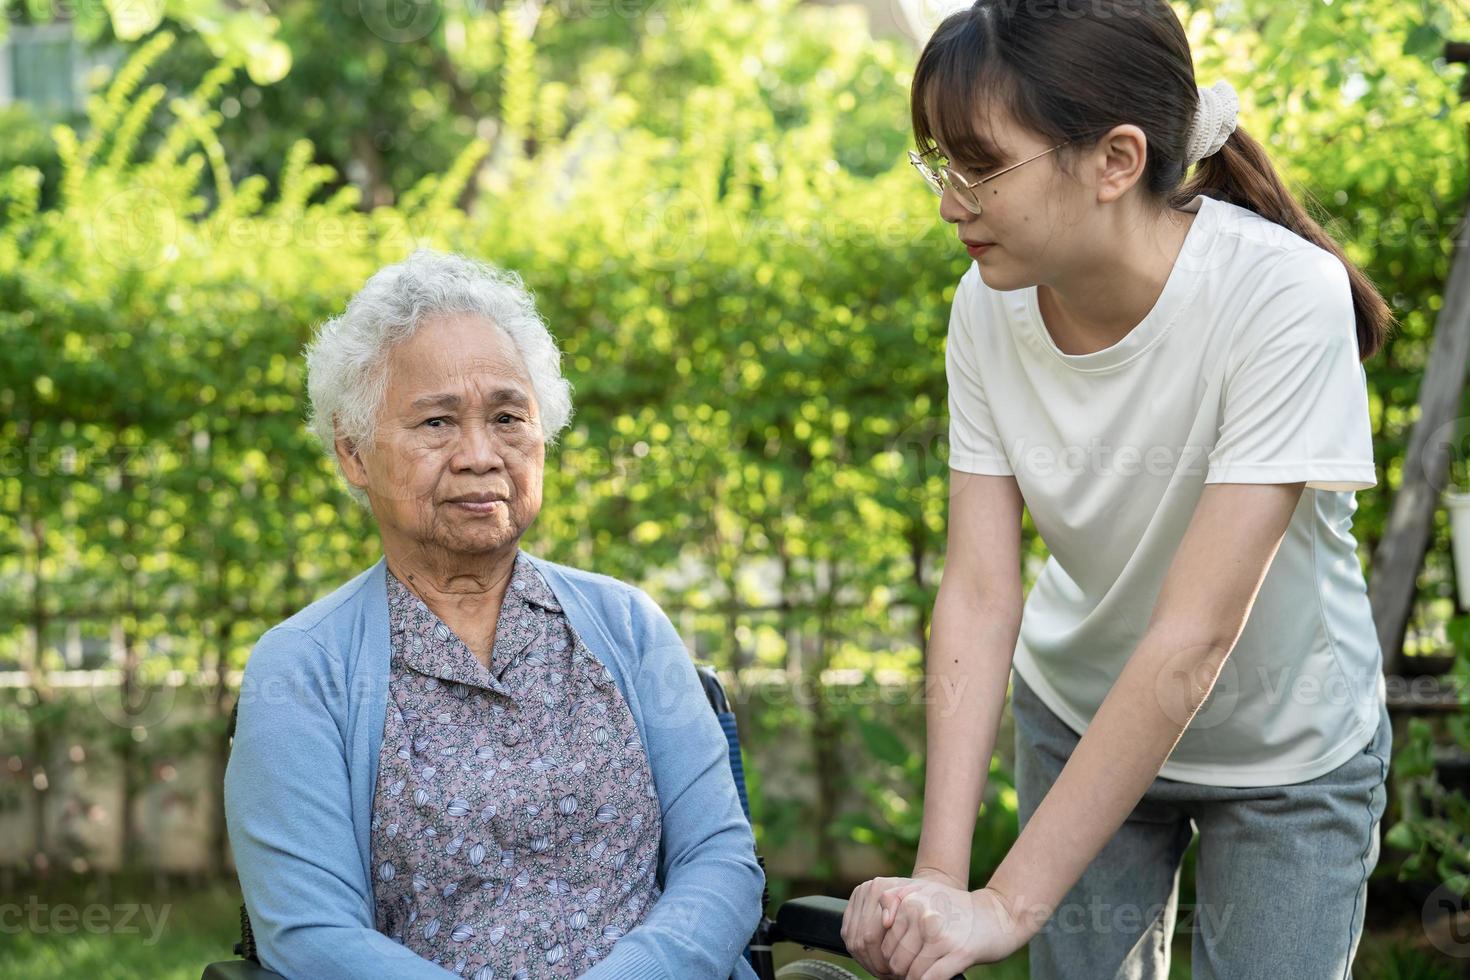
(1121,155)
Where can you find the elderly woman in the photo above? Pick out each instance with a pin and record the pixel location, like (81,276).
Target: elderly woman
(468,761)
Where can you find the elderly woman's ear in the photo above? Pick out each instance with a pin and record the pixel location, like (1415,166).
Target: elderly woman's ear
(348,459)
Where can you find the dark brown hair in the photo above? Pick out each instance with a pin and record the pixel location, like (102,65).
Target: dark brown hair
(1071,70)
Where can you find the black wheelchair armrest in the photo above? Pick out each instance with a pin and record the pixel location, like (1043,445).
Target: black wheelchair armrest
(814,922)
(238,970)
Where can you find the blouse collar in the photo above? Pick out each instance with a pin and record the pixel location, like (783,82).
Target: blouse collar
(424,642)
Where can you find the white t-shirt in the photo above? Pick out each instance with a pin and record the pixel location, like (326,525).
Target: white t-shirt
(1246,370)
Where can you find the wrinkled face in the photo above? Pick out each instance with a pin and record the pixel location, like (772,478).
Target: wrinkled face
(457,461)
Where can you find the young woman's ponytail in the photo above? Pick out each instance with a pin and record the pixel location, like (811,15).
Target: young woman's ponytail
(1071,78)
(1240,172)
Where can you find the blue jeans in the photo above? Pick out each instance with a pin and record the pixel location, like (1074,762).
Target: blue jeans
(1281,873)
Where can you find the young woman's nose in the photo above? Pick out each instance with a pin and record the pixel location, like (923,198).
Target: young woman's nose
(950,208)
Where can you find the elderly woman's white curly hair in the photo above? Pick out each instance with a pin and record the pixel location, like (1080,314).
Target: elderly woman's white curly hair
(346,361)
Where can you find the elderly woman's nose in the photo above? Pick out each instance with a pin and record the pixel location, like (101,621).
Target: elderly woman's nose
(479,448)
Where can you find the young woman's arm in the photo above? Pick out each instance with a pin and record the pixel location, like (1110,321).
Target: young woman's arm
(972,639)
(968,663)
(1199,614)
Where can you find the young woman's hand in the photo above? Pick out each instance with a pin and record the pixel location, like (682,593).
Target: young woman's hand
(935,931)
(863,922)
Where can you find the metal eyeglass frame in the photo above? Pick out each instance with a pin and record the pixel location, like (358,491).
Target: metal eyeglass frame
(964,189)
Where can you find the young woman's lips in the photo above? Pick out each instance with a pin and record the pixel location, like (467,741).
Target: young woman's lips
(978,250)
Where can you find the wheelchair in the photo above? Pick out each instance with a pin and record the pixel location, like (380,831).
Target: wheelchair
(813,922)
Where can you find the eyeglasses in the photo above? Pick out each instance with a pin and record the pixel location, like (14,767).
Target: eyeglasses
(964,189)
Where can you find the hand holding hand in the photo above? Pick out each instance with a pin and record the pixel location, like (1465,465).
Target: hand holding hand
(935,931)
(863,924)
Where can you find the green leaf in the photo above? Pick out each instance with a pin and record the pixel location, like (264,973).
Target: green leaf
(1457,631)
(1401,836)
(132,19)
(1424,41)
(883,743)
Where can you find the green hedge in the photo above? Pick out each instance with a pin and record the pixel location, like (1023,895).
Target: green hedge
(750,286)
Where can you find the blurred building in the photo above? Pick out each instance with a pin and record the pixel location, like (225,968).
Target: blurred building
(46,67)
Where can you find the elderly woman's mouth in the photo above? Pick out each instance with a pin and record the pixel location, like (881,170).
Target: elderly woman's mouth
(479,503)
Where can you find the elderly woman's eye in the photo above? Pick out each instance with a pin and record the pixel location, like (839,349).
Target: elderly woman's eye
(430,422)
(506,417)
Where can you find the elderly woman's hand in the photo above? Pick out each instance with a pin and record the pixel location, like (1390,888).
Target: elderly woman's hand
(862,924)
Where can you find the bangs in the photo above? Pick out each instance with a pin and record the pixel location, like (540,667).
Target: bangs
(959,84)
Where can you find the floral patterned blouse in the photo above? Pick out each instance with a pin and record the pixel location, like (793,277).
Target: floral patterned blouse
(516,828)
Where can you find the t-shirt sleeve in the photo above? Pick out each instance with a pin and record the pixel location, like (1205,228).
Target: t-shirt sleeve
(1296,399)
(974,444)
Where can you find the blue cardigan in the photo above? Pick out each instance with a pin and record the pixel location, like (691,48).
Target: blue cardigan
(300,780)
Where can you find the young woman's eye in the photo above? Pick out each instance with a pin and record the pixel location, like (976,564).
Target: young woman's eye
(973,169)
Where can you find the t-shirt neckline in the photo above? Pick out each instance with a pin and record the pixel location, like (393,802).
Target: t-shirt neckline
(1179,288)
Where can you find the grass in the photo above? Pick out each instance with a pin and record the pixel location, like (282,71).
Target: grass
(119,936)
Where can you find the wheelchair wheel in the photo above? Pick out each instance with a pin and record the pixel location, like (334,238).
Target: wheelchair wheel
(814,970)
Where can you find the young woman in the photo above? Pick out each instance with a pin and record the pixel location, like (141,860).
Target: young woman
(1166,372)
